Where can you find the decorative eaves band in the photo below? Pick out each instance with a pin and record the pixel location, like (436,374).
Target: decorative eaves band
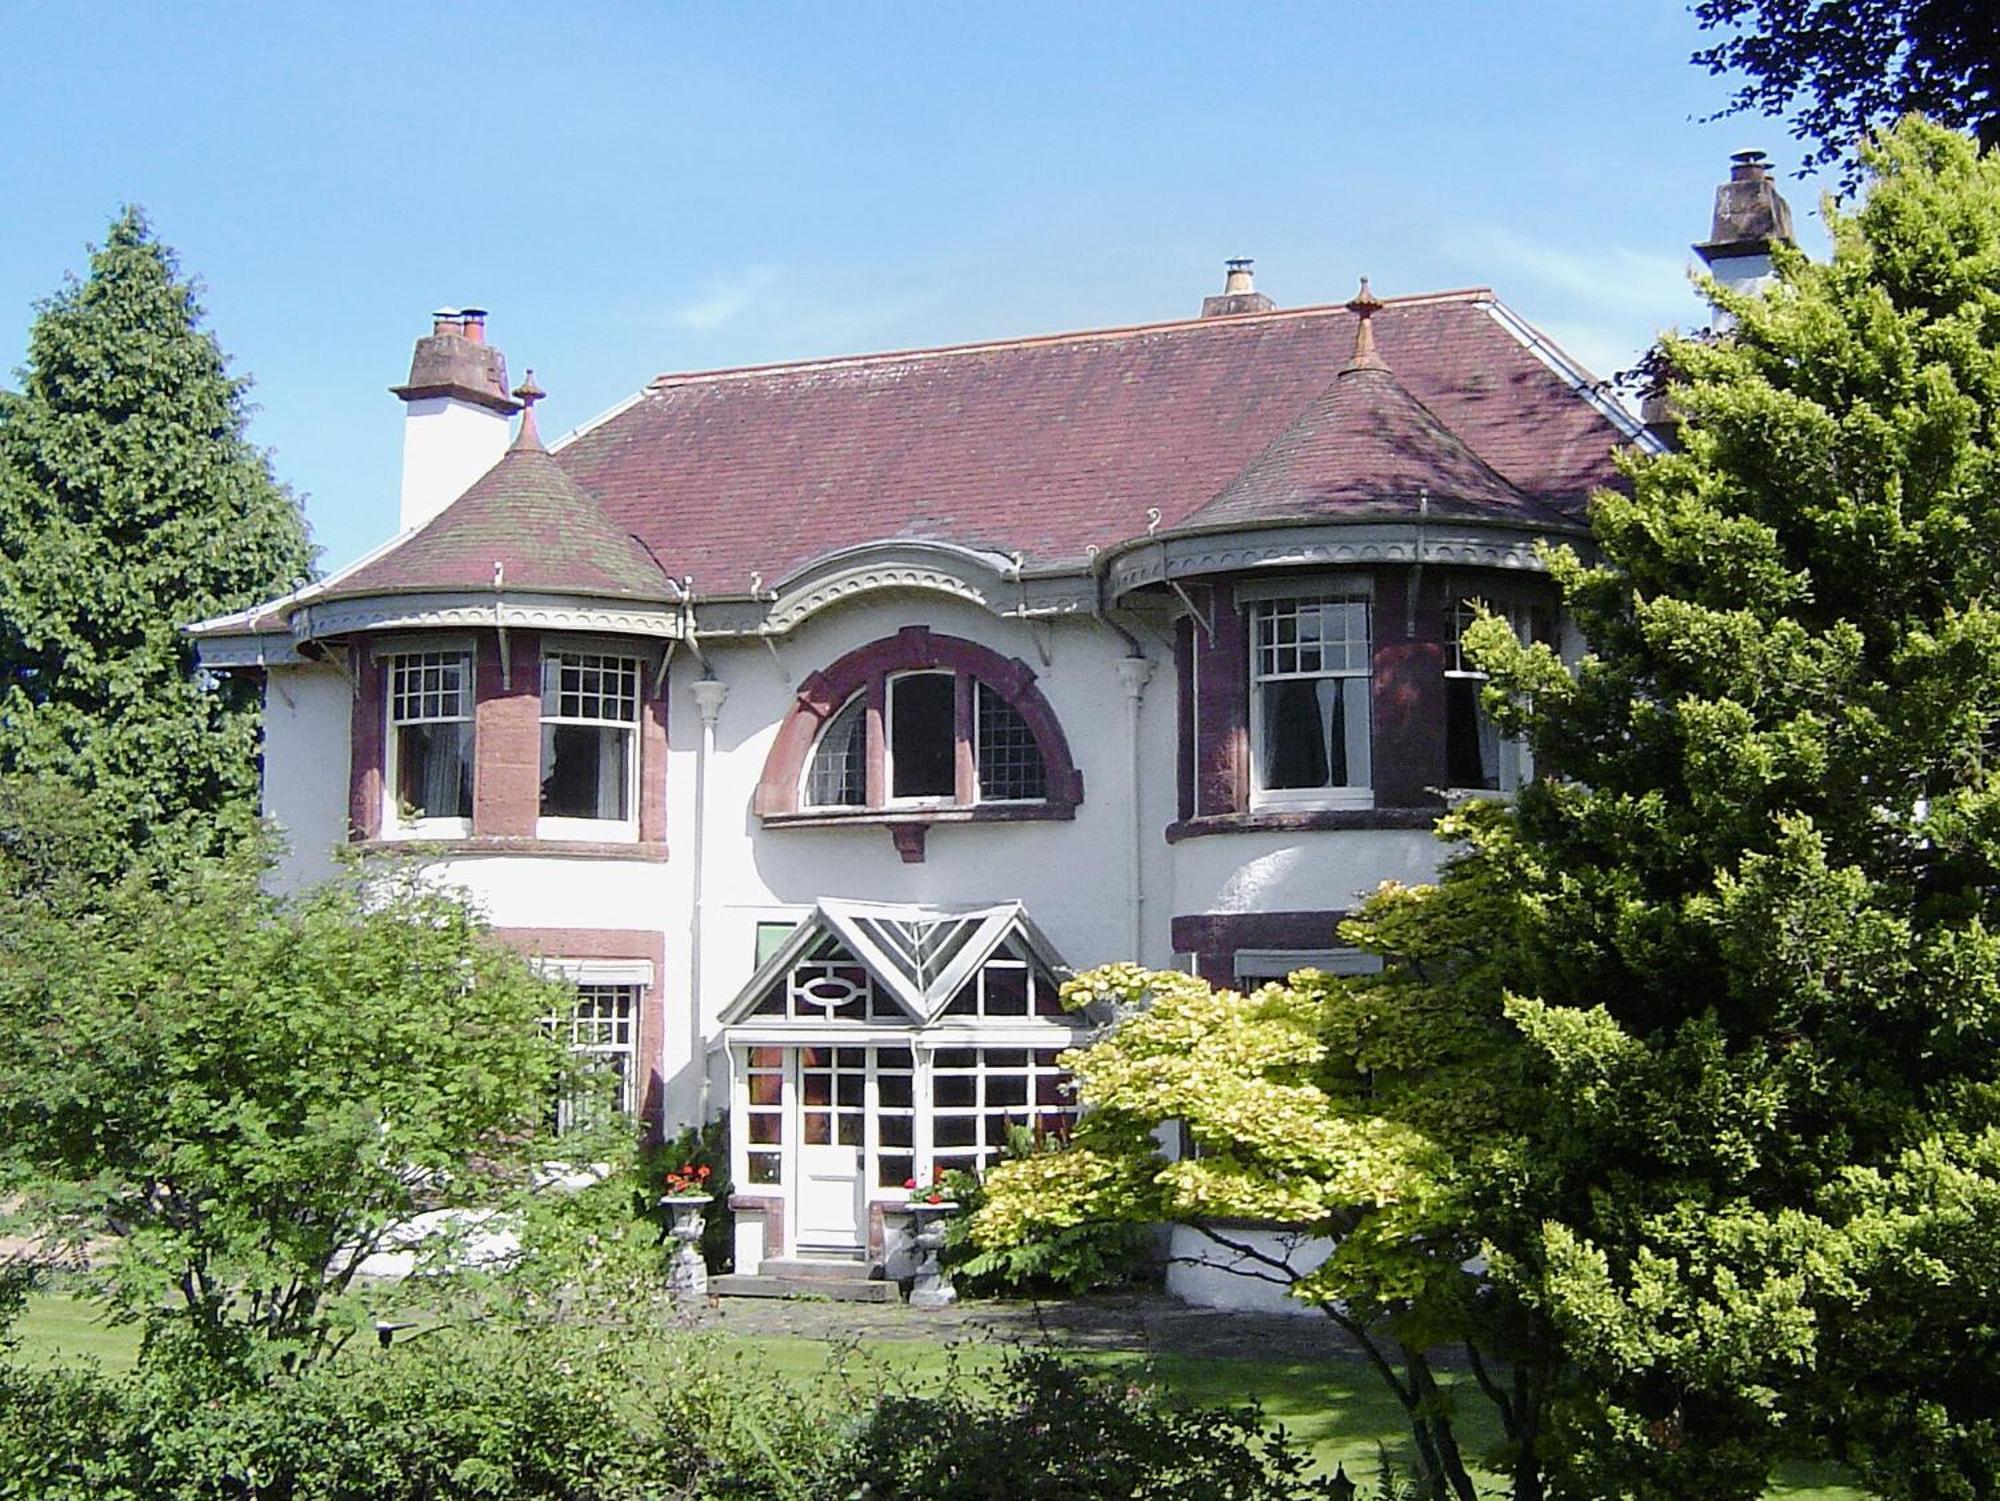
(1445,543)
(984,579)
(427,611)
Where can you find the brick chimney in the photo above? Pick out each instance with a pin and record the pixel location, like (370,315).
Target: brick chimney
(1750,217)
(1238,295)
(456,411)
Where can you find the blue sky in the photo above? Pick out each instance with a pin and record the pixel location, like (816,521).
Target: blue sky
(640,187)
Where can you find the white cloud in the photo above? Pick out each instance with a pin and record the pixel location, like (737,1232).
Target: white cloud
(725,299)
(1610,278)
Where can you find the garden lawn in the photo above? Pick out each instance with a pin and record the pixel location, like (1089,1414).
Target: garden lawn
(1337,1408)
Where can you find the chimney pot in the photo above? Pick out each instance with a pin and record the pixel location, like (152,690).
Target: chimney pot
(472,323)
(1749,166)
(1239,293)
(446,321)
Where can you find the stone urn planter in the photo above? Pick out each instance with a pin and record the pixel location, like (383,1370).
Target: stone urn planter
(932,1287)
(687,1272)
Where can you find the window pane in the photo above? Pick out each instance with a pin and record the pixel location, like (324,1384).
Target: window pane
(586,771)
(1472,744)
(955,1089)
(767,1127)
(1006,991)
(1315,732)
(955,1130)
(893,1058)
(894,1091)
(766,1167)
(921,743)
(894,1171)
(895,1130)
(849,1125)
(434,769)
(766,1089)
(839,776)
(1010,763)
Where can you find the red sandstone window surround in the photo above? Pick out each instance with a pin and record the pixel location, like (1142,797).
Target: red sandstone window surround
(920,726)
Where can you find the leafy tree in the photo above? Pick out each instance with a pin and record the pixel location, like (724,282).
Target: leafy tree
(238,1097)
(1698,1046)
(1844,67)
(131,504)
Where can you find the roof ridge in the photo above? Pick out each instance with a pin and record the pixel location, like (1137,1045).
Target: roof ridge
(1071,336)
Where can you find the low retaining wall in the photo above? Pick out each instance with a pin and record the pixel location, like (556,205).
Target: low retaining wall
(1203,1274)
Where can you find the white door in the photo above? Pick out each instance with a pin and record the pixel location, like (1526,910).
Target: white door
(833,1094)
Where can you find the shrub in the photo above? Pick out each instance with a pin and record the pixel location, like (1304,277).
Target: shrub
(1044,1429)
(521,1412)
(1068,1259)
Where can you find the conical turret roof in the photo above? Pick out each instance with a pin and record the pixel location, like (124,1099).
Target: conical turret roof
(524,524)
(1366,447)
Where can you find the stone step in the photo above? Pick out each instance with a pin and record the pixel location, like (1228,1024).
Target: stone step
(833,1289)
(835,1268)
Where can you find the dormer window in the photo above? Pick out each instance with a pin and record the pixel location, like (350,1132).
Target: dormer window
(430,743)
(590,762)
(917,729)
(923,744)
(922,757)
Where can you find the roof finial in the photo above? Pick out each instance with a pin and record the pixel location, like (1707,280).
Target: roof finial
(528,393)
(1364,305)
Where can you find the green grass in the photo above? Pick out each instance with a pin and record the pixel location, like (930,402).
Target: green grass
(1337,1408)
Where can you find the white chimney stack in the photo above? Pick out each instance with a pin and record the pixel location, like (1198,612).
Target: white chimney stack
(1750,217)
(456,411)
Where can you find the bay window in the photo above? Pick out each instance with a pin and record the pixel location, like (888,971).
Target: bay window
(429,775)
(1477,756)
(1310,675)
(590,749)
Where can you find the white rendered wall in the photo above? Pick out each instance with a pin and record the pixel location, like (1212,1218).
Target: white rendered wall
(307,714)
(1209,1276)
(1312,872)
(447,444)
(1071,874)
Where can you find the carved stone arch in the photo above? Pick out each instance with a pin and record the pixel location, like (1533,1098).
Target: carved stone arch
(914,648)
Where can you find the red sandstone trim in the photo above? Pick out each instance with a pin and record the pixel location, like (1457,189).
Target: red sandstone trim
(507,738)
(1305,820)
(367,742)
(1214,938)
(615,943)
(498,844)
(1222,700)
(772,1207)
(652,759)
(914,648)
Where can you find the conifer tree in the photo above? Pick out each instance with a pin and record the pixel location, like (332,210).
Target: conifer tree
(130,505)
(1679,1094)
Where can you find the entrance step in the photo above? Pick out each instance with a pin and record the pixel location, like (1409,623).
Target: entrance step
(833,1268)
(769,1284)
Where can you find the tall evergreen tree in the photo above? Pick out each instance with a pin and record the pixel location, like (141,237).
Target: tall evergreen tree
(1679,1094)
(131,504)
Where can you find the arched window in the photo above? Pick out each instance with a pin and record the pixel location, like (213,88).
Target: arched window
(915,725)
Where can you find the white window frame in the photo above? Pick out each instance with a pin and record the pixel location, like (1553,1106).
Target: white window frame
(1266,965)
(981,1072)
(624,829)
(1516,760)
(565,1024)
(1260,600)
(859,698)
(935,800)
(394,824)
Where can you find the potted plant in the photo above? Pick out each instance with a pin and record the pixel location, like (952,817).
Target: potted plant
(687,1199)
(930,1205)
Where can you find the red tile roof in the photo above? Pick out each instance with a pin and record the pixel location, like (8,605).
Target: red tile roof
(526,516)
(1048,446)
(1366,446)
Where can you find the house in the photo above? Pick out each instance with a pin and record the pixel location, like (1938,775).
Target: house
(813,717)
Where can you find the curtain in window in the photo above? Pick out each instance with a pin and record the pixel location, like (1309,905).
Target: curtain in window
(1305,733)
